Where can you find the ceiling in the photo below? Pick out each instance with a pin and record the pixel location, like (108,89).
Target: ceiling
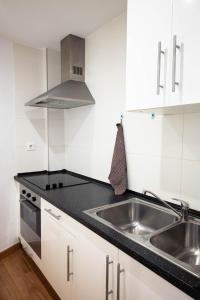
(43,23)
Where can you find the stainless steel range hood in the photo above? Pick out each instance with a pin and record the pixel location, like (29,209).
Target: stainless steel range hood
(72,92)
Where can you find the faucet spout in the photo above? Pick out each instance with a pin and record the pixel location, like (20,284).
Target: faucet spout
(184,208)
(184,205)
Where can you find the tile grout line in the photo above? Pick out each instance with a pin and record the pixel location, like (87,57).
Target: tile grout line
(182,141)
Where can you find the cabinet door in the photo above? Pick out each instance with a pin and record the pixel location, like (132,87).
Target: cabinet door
(92,256)
(57,256)
(149,22)
(138,282)
(186,27)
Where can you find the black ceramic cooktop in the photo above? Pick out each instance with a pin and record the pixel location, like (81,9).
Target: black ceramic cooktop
(55,180)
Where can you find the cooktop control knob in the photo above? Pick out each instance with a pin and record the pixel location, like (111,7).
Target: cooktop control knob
(47,186)
(33,199)
(54,186)
(23,192)
(60,184)
(28,195)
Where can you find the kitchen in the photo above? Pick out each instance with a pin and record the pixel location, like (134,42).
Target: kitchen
(146,79)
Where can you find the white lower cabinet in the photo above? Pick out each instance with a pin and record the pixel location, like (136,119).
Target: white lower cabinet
(80,265)
(96,268)
(136,282)
(57,256)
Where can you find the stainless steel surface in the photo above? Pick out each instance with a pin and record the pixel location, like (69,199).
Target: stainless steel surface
(175,47)
(72,92)
(184,205)
(184,208)
(182,242)
(157,228)
(134,217)
(108,263)
(119,271)
(160,52)
(69,273)
(49,210)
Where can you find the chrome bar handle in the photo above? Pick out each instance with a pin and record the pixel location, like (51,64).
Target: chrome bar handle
(52,214)
(119,271)
(160,52)
(175,47)
(68,263)
(108,262)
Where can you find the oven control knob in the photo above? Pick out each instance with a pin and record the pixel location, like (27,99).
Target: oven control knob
(23,192)
(47,187)
(33,199)
(28,195)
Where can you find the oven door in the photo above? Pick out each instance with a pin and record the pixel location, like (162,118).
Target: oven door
(30,225)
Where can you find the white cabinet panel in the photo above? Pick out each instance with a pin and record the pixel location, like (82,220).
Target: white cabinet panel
(138,282)
(148,23)
(56,260)
(186,26)
(91,267)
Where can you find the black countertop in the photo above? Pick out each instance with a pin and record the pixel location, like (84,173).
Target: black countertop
(74,200)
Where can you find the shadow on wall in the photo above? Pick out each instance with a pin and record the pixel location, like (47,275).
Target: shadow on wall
(56,139)
(38,123)
(79,133)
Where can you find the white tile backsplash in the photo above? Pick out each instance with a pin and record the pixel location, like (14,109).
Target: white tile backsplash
(191,144)
(172,136)
(190,183)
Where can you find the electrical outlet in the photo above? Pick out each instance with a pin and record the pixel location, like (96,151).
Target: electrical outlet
(30,147)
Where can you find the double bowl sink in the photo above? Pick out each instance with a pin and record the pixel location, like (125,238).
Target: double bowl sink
(157,228)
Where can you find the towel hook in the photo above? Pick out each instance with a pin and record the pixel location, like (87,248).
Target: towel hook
(121,118)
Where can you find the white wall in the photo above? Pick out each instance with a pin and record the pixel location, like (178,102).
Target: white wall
(163,154)
(30,81)
(31,122)
(8,204)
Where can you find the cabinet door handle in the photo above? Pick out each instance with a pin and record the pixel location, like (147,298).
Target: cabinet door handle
(175,47)
(160,52)
(119,271)
(52,214)
(68,263)
(108,262)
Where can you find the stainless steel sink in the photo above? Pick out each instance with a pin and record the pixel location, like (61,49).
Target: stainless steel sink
(182,242)
(157,228)
(134,217)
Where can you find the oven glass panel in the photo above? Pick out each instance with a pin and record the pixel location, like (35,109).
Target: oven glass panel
(30,225)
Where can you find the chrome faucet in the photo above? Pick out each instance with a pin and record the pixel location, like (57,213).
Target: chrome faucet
(184,205)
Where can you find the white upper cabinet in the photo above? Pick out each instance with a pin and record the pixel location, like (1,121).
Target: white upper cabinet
(148,43)
(167,74)
(186,27)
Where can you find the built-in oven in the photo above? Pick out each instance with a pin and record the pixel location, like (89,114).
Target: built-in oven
(30,219)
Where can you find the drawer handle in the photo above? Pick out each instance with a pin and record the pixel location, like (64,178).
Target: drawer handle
(119,271)
(108,262)
(68,263)
(52,214)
